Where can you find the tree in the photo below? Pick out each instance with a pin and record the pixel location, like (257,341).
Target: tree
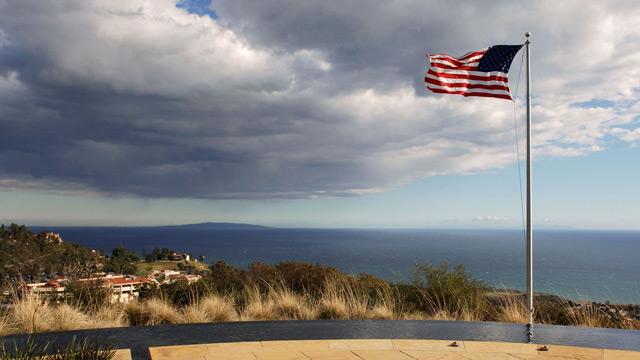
(122,261)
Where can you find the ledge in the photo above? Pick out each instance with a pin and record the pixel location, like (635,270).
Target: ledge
(140,339)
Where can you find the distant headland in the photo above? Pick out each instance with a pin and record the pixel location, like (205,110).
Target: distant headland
(219,226)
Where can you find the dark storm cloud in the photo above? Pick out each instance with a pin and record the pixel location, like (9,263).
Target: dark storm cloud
(285,98)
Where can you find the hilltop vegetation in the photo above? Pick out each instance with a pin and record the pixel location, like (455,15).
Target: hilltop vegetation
(299,291)
(27,256)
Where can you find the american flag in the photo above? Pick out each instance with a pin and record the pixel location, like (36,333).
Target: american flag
(478,73)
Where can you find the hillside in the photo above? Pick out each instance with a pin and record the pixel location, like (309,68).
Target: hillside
(29,256)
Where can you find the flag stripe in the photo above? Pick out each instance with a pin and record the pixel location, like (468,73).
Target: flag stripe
(450,75)
(466,85)
(466,93)
(467,75)
(443,66)
(466,72)
(463,57)
(442,80)
(453,61)
(452,65)
(464,88)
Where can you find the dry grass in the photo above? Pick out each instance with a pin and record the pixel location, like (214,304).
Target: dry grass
(341,300)
(586,316)
(334,303)
(213,308)
(337,299)
(631,325)
(381,312)
(442,315)
(32,315)
(333,308)
(290,306)
(6,326)
(134,314)
(158,311)
(193,314)
(70,318)
(459,308)
(110,316)
(219,308)
(511,308)
(257,306)
(415,315)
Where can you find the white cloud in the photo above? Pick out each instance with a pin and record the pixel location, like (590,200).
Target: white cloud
(281,99)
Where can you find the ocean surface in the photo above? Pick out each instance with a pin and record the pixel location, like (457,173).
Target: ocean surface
(581,265)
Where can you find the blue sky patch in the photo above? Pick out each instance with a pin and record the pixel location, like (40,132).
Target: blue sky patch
(199,7)
(596,103)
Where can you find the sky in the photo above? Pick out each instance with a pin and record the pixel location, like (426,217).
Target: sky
(313,114)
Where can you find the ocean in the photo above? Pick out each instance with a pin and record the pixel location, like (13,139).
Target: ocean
(580,265)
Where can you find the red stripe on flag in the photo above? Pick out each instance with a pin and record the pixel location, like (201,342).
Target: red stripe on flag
(463,57)
(444,66)
(469,77)
(466,93)
(467,85)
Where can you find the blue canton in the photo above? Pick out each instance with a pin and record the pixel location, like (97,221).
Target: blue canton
(498,58)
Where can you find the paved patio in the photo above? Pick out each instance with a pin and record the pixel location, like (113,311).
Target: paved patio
(383,349)
(352,339)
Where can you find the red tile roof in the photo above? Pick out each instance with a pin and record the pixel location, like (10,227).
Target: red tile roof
(125,281)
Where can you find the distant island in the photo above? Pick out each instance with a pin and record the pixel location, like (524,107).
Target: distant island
(219,226)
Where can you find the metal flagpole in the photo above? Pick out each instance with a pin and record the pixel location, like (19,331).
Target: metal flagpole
(529,224)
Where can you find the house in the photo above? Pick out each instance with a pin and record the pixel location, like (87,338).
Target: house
(169,276)
(190,278)
(175,256)
(52,289)
(52,237)
(124,287)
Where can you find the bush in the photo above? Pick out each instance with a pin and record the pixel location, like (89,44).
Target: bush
(88,294)
(451,290)
(225,278)
(301,278)
(182,293)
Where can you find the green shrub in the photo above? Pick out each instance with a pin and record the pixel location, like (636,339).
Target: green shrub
(88,295)
(301,278)
(182,293)
(451,290)
(179,292)
(372,288)
(410,296)
(225,278)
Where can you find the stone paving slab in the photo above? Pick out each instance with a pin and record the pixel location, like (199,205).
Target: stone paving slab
(384,349)
(122,354)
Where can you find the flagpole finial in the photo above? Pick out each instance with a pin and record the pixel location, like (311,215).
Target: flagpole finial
(527,34)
